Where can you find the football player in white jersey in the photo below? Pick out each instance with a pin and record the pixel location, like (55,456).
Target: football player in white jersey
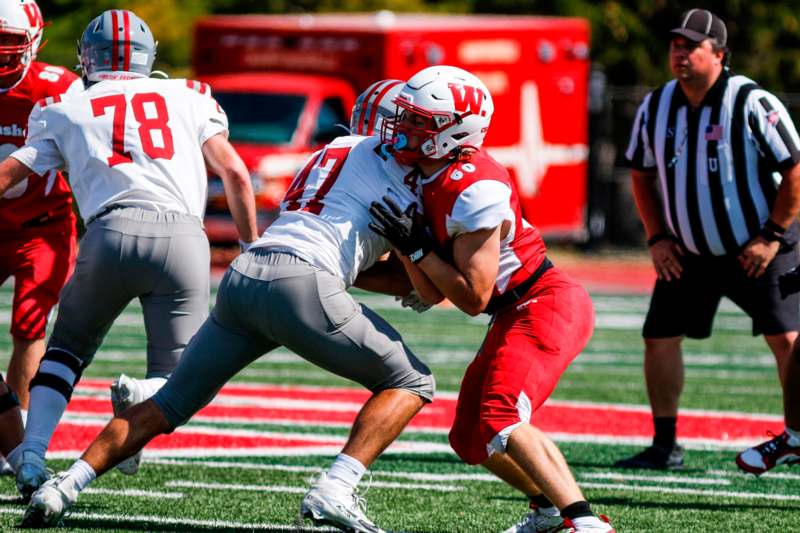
(136,150)
(289,289)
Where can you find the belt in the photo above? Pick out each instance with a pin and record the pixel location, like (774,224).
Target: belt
(103,212)
(513,295)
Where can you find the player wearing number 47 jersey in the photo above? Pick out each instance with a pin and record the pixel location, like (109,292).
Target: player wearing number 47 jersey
(136,150)
(289,290)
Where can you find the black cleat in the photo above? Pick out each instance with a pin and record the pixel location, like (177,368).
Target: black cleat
(655,458)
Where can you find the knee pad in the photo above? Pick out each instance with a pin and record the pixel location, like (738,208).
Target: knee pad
(8,400)
(60,371)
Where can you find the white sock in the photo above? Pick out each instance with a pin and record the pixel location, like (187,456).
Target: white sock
(150,386)
(46,408)
(794,436)
(346,471)
(23,413)
(588,522)
(82,473)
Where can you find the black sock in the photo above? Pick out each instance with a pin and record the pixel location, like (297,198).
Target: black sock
(577,510)
(665,431)
(540,500)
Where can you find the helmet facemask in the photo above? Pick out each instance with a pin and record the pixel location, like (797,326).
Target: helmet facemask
(407,129)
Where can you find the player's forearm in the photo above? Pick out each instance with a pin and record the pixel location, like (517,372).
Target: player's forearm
(427,291)
(11,173)
(241,202)
(648,203)
(787,201)
(454,285)
(386,277)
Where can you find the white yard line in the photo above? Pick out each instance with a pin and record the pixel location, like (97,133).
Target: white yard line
(162,520)
(768,475)
(696,492)
(133,493)
(655,479)
(302,490)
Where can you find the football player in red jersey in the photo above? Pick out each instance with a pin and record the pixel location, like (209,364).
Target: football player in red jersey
(37,226)
(485,257)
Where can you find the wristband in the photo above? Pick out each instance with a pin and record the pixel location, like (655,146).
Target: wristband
(774,227)
(770,235)
(658,237)
(419,254)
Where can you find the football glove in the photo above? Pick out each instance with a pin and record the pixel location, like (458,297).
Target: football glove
(405,230)
(413,301)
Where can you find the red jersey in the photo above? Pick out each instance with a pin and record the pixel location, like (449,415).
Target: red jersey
(37,204)
(474,194)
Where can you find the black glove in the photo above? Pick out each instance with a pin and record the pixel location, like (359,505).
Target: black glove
(789,283)
(404,230)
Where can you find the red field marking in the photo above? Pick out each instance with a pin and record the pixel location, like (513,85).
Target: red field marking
(338,406)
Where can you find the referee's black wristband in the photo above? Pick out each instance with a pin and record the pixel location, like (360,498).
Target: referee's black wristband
(658,237)
(774,227)
(771,235)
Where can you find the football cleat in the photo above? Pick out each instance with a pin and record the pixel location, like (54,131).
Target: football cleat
(538,522)
(589,524)
(49,503)
(655,458)
(767,455)
(126,392)
(31,474)
(327,502)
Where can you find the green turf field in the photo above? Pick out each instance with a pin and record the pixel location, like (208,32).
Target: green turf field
(434,492)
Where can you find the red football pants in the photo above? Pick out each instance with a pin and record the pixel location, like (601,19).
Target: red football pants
(40,265)
(526,350)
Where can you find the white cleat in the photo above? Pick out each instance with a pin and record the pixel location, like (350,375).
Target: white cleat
(49,504)
(326,502)
(125,392)
(31,474)
(538,522)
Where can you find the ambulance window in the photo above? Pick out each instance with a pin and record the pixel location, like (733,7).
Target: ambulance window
(330,121)
(262,118)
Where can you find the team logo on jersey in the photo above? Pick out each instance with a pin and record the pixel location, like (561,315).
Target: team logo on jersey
(468,167)
(467,98)
(13,130)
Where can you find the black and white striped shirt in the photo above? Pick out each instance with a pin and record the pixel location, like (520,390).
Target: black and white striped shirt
(718,165)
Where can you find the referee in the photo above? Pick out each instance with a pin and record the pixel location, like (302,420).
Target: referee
(716,179)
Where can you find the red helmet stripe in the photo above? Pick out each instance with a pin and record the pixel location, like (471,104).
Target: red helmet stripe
(115,41)
(126,23)
(374,111)
(363,110)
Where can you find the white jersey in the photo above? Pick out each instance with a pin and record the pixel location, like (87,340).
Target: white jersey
(132,143)
(325,216)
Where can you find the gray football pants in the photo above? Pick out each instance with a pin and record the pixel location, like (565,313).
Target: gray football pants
(270,299)
(161,258)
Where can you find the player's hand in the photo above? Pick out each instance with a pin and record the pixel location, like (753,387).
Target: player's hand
(405,230)
(666,255)
(413,301)
(757,255)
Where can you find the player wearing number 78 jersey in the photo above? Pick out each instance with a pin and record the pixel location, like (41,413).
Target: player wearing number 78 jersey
(136,150)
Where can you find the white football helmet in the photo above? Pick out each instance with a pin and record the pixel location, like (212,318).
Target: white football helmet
(20,37)
(374,106)
(459,105)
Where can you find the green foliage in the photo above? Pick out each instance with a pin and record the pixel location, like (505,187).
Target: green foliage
(629,36)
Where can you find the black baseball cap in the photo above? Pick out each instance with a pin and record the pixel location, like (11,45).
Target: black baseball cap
(697,25)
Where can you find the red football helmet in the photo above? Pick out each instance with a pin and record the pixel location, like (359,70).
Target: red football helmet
(20,36)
